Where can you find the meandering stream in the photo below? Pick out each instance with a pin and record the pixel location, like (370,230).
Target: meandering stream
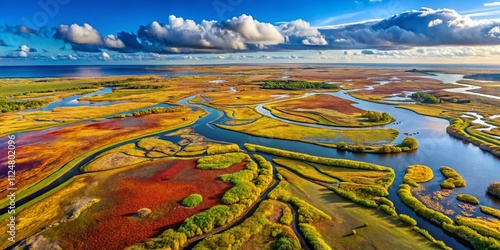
(454,80)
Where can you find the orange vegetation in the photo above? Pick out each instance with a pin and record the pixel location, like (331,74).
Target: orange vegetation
(56,146)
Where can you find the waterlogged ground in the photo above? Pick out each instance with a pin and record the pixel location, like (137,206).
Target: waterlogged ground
(226,104)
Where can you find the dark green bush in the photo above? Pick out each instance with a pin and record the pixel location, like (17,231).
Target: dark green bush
(374,116)
(425,97)
(296,85)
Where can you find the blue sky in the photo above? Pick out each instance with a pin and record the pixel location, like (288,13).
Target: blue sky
(213,31)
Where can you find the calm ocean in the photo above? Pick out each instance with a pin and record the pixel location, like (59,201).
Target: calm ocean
(82,71)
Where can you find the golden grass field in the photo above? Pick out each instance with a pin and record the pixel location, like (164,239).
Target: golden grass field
(271,128)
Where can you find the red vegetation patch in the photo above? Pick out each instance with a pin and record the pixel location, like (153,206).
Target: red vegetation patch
(38,153)
(107,124)
(323,101)
(117,226)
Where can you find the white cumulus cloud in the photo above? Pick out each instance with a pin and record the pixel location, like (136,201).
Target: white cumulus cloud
(105,56)
(300,30)
(77,34)
(254,31)
(111,41)
(492,4)
(435,23)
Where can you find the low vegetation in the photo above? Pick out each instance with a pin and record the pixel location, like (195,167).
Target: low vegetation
(313,237)
(280,192)
(235,237)
(327,110)
(490,211)
(304,169)
(192,150)
(219,215)
(362,194)
(158,145)
(477,240)
(494,189)
(374,116)
(416,174)
(192,200)
(144,212)
(296,85)
(484,76)
(468,198)
(459,128)
(367,177)
(453,178)
(307,214)
(155,110)
(427,235)
(409,144)
(385,181)
(425,97)
(485,227)
(317,159)
(386,201)
(388,210)
(219,149)
(404,192)
(112,160)
(480,233)
(363,140)
(408,220)
(287,216)
(7,105)
(220,161)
